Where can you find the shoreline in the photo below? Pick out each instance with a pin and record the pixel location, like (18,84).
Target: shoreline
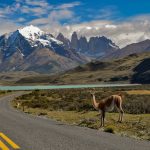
(78,86)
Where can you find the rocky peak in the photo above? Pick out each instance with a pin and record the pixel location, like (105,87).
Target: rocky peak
(95,47)
(74,35)
(83,44)
(101,45)
(63,39)
(60,36)
(74,41)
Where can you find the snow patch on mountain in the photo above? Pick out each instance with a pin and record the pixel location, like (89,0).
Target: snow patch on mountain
(44,42)
(31,32)
(56,41)
(114,46)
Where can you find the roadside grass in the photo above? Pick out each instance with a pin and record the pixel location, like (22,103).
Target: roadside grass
(136,126)
(2,93)
(74,106)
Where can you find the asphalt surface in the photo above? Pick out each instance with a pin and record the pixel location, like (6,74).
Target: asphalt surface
(35,133)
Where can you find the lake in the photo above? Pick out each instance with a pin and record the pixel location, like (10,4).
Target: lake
(42,87)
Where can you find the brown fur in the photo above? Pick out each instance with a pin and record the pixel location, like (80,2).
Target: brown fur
(108,103)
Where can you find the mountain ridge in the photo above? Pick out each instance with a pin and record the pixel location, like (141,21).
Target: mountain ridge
(31,49)
(140,47)
(94,47)
(17,47)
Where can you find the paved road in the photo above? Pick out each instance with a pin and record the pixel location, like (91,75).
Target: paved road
(34,133)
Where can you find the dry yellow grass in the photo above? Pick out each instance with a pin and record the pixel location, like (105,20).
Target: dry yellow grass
(138,92)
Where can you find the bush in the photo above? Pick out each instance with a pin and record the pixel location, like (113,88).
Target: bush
(80,99)
(42,114)
(109,130)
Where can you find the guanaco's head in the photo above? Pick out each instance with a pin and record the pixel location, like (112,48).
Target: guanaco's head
(92,93)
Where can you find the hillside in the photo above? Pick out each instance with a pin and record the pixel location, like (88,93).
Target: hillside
(142,72)
(126,70)
(140,47)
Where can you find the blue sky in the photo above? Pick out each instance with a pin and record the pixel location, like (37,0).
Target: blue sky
(87,10)
(121,20)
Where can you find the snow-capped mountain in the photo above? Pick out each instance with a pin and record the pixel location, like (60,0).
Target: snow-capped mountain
(27,39)
(35,36)
(31,49)
(16,49)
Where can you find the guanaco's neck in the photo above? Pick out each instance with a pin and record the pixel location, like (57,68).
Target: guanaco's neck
(95,104)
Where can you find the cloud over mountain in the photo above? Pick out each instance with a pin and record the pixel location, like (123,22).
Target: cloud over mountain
(132,30)
(65,18)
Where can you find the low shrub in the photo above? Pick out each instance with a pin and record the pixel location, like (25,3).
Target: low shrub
(80,99)
(109,130)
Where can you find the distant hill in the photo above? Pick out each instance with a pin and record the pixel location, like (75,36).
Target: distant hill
(134,68)
(137,48)
(142,72)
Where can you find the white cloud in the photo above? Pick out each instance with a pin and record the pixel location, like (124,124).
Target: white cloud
(7,26)
(44,14)
(21,19)
(68,5)
(29,7)
(36,11)
(57,16)
(110,26)
(54,17)
(125,32)
(88,28)
(39,10)
(39,21)
(41,3)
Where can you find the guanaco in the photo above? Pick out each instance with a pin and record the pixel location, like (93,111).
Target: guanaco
(107,105)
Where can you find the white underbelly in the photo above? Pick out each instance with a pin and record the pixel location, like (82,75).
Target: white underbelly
(111,107)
